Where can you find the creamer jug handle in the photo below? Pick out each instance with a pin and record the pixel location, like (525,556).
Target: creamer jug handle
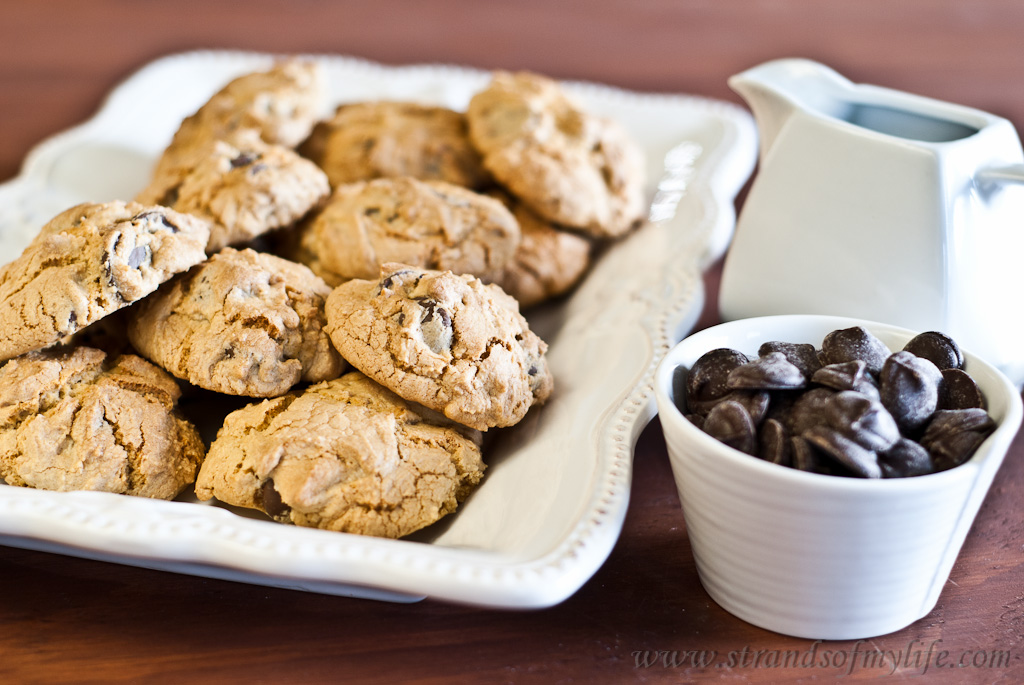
(997,176)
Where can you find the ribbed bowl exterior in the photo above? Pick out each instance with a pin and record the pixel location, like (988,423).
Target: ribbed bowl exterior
(821,557)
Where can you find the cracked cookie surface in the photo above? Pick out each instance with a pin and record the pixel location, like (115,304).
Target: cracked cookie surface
(76,419)
(449,342)
(280,104)
(427,224)
(570,167)
(368,140)
(241,323)
(244,188)
(344,455)
(88,262)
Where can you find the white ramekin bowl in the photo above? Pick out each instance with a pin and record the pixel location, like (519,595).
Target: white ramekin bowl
(818,556)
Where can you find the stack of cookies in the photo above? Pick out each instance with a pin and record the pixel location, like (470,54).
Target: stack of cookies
(360,276)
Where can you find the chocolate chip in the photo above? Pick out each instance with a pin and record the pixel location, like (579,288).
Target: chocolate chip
(841,376)
(850,344)
(775,444)
(937,348)
(863,420)
(800,355)
(909,389)
(428,304)
(953,435)
(270,499)
(904,459)
(959,391)
(244,159)
(847,376)
(805,457)
(955,449)
(389,280)
(730,423)
(708,375)
(756,402)
(808,411)
(446,318)
(138,255)
(858,460)
(780,405)
(160,216)
(868,387)
(948,421)
(435,325)
(771,372)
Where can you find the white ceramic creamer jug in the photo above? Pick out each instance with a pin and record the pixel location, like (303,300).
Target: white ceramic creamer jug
(881,205)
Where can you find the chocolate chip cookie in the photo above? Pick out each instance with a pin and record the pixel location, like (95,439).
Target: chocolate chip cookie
(345,455)
(244,188)
(242,323)
(446,341)
(548,262)
(76,419)
(280,104)
(88,262)
(369,140)
(427,224)
(570,167)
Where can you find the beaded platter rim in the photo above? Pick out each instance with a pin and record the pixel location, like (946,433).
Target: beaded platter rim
(627,323)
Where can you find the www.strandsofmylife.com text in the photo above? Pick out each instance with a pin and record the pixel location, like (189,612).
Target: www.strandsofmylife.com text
(919,656)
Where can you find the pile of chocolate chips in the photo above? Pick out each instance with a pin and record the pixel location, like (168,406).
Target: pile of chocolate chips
(852,408)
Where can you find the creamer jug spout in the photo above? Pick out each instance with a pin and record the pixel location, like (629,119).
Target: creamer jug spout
(776,89)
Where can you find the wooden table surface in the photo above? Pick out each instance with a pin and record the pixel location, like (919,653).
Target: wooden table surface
(69,620)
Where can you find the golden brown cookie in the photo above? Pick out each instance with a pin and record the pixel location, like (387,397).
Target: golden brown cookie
(87,263)
(369,140)
(280,104)
(548,262)
(428,224)
(449,342)
(570,167)
(244,188)
(75,419)
(242,323)
(345,455)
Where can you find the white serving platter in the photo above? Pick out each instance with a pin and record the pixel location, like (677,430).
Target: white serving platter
(555,495)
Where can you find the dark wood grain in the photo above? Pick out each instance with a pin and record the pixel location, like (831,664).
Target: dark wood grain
(70,620)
